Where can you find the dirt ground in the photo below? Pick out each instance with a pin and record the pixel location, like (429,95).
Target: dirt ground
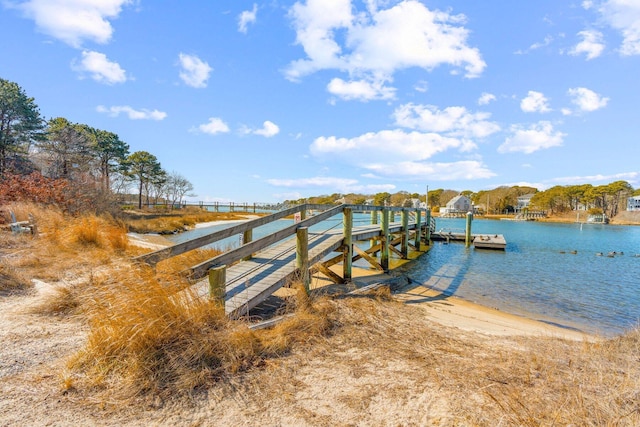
(341,382)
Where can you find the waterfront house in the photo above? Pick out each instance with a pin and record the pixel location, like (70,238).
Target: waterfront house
(633,203)
(459,204)
(523,202)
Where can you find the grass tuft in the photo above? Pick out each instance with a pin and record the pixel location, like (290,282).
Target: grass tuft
(160,338)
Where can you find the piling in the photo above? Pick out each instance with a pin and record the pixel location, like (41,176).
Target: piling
(467,235)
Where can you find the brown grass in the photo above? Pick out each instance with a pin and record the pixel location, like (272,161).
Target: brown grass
(337,361)
(147,336)
(168,222)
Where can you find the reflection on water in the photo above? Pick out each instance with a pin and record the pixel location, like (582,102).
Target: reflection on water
(549,271)
(538,275)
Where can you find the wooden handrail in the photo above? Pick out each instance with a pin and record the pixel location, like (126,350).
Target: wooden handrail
(248,248)
(256,245)
(153,258)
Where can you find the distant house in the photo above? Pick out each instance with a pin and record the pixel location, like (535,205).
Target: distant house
(633,203)
(413,203)
(523,202)
(458,204)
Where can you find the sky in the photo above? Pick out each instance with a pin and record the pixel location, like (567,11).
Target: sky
(260,102)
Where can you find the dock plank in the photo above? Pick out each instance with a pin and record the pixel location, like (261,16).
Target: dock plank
(250,282)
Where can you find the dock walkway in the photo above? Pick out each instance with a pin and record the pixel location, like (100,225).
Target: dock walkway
(254,271)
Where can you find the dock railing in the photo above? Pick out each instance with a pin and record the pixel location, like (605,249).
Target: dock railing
(249,246)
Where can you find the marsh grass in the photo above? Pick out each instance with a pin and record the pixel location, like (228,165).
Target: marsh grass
(153,221)
(152,337)
(11,279)
(149,335)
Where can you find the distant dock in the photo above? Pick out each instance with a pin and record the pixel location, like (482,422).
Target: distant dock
(480,241)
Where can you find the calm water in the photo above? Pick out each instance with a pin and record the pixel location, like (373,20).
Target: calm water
(532,277)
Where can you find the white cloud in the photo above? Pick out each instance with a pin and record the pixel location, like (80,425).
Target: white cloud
(133,114)
(452,121)
(535,46)
(247,17)
(591,44)
(98,66)
(372,45)
(538,136)
(268,130)
(631,177)
(391,145)
(535,102)
(586,99)
(462,170)
(587,4)
(74,21)
(195,72)
(360,90)
(214,126)
(339,185)
(624,16)
(486,98)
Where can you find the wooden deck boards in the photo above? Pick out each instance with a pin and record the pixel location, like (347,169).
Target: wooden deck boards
(250,282)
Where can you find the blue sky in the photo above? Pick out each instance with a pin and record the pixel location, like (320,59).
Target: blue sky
(274,100)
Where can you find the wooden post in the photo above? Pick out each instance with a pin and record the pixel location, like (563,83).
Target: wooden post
(247,237)
(374,220)
(303,214)
(416,242)
(467,235)
(427,236)
(404,245)
(384,252)
(217,281)
(347,230)
(302,256)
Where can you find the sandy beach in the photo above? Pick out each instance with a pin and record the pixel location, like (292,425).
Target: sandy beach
(442,309)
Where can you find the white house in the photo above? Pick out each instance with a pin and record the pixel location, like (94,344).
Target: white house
(458,204)
(633,203)
(523,202)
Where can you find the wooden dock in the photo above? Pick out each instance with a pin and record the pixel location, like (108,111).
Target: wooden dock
(244,277)
(480,241)
(489,241)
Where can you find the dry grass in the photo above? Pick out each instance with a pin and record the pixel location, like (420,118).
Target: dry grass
(338,360)
(146,336)
(11,279)
(385,361)
(172,221)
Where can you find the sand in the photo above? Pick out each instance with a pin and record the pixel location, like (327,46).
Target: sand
(34,349)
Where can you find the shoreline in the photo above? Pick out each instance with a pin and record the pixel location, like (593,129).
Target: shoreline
(446,310)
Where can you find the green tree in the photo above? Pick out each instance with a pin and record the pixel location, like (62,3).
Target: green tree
(20,124)
(145,168)
(109,151)
(382,199)
(66,149)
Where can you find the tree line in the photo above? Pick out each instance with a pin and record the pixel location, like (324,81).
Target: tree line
(82,165)
(609,199)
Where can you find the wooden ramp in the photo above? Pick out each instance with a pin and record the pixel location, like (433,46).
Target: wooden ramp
(251,282)
(246,276)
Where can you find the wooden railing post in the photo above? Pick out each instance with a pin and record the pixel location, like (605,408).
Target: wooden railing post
(467,231)
(302,256)
(217,282)
(384,252)
(347,230)
(374,220)
(416,241)
(247,237)
(404,246)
